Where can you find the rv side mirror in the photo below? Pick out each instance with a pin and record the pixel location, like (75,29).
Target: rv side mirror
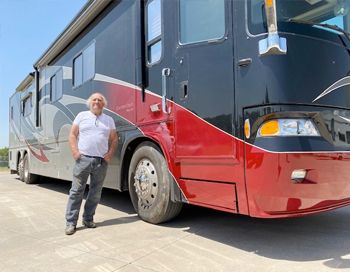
(273,44)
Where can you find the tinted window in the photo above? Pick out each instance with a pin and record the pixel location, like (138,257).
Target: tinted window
(56,90)
(300,12)
(155,52)
(27,106)
(53,83)
(59,86)
(201,20)
(89,62)
(154,20)
(154,31)
(84,66)
(78,70)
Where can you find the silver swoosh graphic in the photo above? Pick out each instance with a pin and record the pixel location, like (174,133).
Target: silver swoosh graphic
(345,119)
(340,83)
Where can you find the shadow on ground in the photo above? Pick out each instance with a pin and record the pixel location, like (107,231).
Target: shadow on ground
(325,236)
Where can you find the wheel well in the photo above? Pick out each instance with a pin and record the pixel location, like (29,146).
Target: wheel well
(19,157)
(130,149)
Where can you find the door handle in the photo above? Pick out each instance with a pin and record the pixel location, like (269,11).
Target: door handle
(165,74)
(184,90)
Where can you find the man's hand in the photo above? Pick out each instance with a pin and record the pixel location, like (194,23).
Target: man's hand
(108,157)
(113,139)
(76,155)
(73,136)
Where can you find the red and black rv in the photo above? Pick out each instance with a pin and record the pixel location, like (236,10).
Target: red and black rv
(241,106)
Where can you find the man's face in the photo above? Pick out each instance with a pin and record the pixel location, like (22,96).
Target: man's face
(96,105)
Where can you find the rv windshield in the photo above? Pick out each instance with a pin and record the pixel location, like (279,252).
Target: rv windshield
(313,12)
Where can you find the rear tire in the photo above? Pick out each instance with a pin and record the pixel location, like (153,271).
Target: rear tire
(27,176)
(150,185)
(20,170)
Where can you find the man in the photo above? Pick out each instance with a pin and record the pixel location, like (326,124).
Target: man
(92,139)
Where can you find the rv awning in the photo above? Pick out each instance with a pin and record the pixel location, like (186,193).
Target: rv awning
(82,20)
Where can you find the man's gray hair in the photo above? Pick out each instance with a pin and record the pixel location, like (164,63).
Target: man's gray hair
(88,101)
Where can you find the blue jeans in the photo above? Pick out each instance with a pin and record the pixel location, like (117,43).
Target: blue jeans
(84,167)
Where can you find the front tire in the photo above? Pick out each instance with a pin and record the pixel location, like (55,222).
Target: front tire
(150,185)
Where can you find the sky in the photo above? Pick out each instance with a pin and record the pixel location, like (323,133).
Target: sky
(27,29)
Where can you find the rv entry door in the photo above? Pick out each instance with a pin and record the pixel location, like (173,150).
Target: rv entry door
(204,88)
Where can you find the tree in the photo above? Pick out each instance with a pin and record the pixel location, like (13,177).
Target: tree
(4,152)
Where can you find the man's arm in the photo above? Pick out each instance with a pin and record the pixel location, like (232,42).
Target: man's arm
(73,141)
(113,140)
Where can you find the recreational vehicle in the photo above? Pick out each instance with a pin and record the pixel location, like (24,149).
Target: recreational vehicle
(241,106)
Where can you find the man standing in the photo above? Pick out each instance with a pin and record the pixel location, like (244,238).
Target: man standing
(93,140)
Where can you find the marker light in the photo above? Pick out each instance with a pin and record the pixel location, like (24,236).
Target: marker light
(298,175)
(247,128)
(288,127)
(269,3)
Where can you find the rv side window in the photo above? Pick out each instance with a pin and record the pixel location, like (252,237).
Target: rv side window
(84,66)
(89,62)
(27,106)
(78,70)
(11,112)
(154,31)
(56,90)
(53,81)
(201,20)
(59,86)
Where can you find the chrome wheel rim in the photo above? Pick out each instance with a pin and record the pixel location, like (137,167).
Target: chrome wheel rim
(26,170)
(146,183)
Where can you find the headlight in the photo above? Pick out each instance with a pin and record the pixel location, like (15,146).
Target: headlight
(288,127)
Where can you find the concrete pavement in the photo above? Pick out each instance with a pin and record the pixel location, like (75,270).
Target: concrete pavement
(32,237)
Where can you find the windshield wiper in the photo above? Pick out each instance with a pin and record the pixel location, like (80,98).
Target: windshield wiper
(333,27)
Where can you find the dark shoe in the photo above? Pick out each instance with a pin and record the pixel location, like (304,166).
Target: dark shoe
(70,229)
(89,224)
